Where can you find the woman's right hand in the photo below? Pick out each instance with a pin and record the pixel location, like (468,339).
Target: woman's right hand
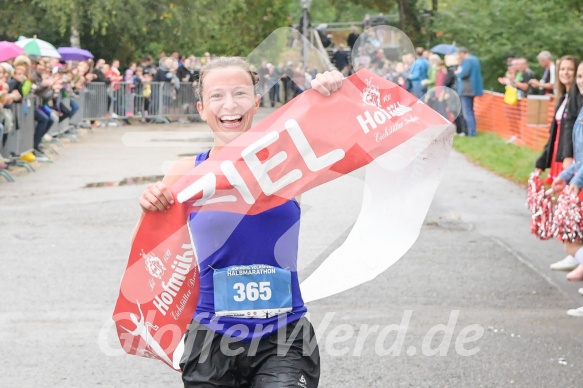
(156,197)
(558,185)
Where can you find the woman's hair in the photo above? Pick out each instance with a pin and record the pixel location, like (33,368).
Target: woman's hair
(561,88)
(435,59)
(22,60)
(221,63)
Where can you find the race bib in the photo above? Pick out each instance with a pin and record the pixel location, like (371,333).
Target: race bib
(252,291)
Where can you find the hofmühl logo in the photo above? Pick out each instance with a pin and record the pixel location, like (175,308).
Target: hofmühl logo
(153,264)
(371,95)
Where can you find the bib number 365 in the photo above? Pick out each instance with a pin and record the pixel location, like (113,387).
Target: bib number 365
(252,291)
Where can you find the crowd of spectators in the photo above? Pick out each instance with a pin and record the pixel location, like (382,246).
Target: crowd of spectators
(52,82)
(421,72)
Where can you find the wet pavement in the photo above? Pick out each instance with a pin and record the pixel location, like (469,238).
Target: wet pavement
(473,303)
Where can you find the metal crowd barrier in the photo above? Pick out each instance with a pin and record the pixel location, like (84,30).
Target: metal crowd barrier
(24,114)
(60,128)
(126,100)
(9,143)
(94,101)
(97,102)
(19,135)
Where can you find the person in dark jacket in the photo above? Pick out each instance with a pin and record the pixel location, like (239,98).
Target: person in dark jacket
(451,65)
(352,38)
(558,152)
(188,72)
(100,77)
(340,59)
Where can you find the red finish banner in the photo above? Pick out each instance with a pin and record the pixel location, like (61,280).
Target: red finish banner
(311,140)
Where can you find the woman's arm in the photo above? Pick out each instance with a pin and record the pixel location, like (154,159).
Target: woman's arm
(157,196)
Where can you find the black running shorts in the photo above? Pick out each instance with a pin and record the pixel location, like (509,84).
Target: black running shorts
(291,359)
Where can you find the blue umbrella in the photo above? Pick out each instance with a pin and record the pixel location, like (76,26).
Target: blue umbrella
(444,49)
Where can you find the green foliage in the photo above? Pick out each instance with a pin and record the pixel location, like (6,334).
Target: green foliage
(518,27)
(408,10)
(493,153)
(326,11)
(129,29)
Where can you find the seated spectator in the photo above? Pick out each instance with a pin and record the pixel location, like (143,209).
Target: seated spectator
(44,122)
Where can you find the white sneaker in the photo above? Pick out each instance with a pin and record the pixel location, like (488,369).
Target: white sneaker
(567,264)
(576,312)
(42,158)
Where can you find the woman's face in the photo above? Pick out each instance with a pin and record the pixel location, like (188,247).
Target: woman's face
(228,103)
(19,73)
(82,67)
(566,72)
(579,78)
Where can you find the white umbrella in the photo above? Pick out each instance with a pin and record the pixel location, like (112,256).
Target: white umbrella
(38,47)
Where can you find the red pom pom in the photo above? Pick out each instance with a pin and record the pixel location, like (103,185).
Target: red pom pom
(541,205)
(567,225)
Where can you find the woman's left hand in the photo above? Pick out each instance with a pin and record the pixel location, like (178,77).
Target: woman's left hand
(573,189)
(327,82)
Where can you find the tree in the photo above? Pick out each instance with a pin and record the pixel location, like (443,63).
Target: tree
(408,14)
(498,30)
(127,29)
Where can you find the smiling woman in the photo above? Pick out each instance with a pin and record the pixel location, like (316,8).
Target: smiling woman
(230,101)
(249,290)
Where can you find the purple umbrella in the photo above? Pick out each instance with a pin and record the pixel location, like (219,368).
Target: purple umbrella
(9,50)
(74,54)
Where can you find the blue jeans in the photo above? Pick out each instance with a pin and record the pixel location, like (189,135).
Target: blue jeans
(418,90)
(74,108)
(468,112)
(43,124)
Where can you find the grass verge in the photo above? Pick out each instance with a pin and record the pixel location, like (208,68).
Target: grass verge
(493,153)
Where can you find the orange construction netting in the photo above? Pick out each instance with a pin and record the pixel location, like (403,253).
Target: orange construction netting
(525,124)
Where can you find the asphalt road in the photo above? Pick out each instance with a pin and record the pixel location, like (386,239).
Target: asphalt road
(472,304)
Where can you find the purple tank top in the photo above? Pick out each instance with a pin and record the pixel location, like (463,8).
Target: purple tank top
(248,269)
